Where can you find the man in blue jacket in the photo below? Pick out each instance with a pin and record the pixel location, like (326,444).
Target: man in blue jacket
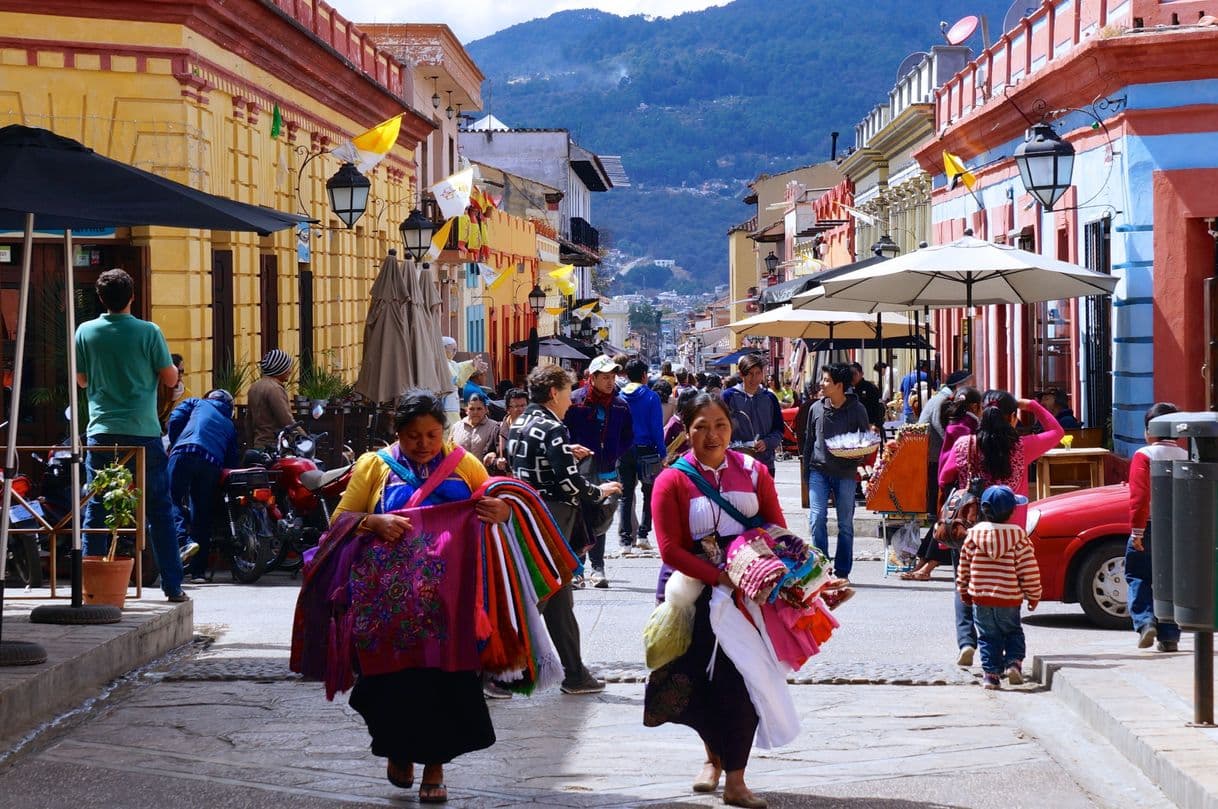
(641,463)
(202,442)
(599,420)
(756,416)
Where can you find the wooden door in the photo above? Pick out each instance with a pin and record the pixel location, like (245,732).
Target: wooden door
(222,324)
(268,285)
(306,316)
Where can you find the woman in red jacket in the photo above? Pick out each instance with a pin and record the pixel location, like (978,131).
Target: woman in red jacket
(693,534)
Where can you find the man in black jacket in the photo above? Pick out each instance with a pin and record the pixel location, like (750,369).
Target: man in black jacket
(839,412)
(869,397)
(542,455)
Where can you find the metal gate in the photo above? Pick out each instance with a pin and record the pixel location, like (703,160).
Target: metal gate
(1097,334)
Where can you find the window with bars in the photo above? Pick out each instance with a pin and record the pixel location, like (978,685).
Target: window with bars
(1097,330)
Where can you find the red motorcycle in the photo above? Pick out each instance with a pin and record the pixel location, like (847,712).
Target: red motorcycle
(305,495)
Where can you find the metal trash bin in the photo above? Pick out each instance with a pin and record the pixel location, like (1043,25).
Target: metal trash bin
(1161,528)
(1195,535)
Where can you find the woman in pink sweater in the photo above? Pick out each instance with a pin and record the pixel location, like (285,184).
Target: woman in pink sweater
(998,454)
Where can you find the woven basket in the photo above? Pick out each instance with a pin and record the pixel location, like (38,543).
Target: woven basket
(861,451)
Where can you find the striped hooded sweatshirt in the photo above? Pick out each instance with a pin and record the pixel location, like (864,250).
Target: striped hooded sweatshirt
(998,567)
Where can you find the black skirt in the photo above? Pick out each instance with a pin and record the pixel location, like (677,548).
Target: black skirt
(424,716)
(718,708)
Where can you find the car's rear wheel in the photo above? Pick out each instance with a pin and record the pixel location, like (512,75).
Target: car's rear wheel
(1102,589)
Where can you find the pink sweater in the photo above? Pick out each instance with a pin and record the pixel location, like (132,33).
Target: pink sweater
(1026,450)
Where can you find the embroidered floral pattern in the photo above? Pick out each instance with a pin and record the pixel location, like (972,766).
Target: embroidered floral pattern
(667,696)
(395,596)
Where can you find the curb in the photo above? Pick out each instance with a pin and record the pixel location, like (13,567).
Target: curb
(83,659)
(1176,758)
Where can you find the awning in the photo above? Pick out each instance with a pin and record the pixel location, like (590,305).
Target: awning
(782,293)
(733,358)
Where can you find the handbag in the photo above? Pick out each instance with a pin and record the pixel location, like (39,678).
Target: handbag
(962,509)
(599,515)
(649,465)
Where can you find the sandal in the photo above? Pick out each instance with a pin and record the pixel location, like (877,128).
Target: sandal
(394,773)
(914,575)
(433,793)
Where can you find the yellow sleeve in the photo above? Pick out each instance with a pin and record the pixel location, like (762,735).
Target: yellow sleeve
(366,486)
(471,470)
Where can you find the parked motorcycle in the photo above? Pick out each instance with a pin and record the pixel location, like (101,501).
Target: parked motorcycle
(305,494)
(243,533)
(24,565)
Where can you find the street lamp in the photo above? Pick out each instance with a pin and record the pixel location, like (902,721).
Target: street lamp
(348,192)
(537,299)
(416,232)
(885,247)
(771,263)
(1045,163)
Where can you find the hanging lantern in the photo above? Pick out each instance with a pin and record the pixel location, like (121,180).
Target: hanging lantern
(348,192)
(416,233)
(1046,163)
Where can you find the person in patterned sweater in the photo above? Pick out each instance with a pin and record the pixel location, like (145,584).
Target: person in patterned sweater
(542,455)
(997,572)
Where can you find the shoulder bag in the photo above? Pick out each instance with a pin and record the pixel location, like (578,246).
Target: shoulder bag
(962,509)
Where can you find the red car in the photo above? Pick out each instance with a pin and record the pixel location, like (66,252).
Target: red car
(1080,539)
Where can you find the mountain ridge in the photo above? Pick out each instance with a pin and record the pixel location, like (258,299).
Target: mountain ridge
(700,103)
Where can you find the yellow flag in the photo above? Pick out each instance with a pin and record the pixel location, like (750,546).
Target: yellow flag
(498,280)
(555,310)
(957,172)
(368,149)
(439,240)
(566,287)
(585,310)
(562,272)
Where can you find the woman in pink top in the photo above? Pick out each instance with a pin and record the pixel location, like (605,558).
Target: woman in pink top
(999,455)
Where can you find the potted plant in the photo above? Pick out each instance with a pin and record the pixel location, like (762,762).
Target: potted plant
(105,577)
(319,385)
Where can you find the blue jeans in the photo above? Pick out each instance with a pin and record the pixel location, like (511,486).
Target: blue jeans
(628,472)
(966,630)
(156,504)
(193,482)
(1001,635)
(1141,597)
(819,487)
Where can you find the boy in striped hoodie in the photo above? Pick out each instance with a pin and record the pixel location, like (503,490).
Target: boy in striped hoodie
(997,572)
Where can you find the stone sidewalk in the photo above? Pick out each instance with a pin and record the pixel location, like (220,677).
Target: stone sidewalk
(1141,702)
(81,660)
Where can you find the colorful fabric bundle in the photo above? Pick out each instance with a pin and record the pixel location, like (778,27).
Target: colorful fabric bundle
(752,565)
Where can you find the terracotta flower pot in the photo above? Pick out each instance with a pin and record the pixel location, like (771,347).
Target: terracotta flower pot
(106,582)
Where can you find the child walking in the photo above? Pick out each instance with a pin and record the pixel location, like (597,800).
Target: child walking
(997,572)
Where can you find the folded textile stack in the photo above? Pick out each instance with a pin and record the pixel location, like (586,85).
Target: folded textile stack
(753,567)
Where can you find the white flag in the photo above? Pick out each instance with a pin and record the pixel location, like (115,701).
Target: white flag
(452,193)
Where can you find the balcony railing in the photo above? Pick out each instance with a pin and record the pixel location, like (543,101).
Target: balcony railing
(584,234)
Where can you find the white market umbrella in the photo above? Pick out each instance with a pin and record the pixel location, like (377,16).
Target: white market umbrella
(816,299)
(814,324)
(969,272)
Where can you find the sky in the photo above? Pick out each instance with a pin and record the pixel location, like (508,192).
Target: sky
(474,19)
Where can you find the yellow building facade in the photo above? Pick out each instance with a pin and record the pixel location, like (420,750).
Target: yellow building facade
(191,92)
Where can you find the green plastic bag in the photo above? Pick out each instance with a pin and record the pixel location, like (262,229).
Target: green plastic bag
(668,633)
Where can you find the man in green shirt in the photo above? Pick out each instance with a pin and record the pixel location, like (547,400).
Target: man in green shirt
(120,361)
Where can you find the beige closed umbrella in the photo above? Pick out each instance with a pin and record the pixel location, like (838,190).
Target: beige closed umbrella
(385,370)
(426,348)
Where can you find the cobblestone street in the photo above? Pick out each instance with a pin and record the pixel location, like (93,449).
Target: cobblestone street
(888,721)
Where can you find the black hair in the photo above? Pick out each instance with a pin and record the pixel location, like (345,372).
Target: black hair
(666,368)
(700,379)
(115,289)
(544,380)
(857,366)
(176,358)
(989,515)
(839,372)
(712,381)
(514,393)
(416,403)
(996,436)
(636,370)
(1160,409)
(750,361)
(663,389)
(961,402)
(690,406)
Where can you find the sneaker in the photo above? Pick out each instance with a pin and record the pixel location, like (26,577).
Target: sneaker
(598,580)
(643,545)
(492,690)
(198,580)
(1015,674)
(188,551)
(178,597)
(1146,636)
(584,685)
(578,582)
(1168,646)
(965,658)
(992,682)
(627,550)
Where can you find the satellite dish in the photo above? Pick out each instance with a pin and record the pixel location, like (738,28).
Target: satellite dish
(959,33)
(909,63)
(1018,10)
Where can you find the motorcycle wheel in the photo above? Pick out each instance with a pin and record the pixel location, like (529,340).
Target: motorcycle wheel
(285,554)
(248,553)
(24,562)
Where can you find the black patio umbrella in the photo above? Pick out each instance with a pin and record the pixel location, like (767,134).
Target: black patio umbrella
(50,181)
(557,347)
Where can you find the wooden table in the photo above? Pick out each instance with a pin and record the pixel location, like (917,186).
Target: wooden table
(1091,458)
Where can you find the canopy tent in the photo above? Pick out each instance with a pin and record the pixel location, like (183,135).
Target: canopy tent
(731,359)
(49,181)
